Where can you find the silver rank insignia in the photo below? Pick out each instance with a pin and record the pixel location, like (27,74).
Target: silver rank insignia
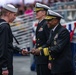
(56,36)
(55,42)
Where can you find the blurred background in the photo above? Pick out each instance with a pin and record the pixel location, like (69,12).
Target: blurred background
(25,25)
(65,7)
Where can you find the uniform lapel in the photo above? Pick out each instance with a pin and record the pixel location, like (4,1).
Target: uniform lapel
(39,25)
(53,34)
(56,30)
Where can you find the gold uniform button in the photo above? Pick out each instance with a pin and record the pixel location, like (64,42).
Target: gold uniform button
(53,58)
(49,51)
(38,39)
(38,44)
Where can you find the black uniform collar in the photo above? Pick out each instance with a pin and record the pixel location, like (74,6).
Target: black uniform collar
(41,20)
(2,20)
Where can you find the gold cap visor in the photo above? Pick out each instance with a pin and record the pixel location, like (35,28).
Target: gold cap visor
(49,17)
(38,9)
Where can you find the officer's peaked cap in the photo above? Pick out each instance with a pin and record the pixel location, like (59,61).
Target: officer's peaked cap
(39,7)
(51,15)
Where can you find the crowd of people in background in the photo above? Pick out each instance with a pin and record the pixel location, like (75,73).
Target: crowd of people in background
(28,8)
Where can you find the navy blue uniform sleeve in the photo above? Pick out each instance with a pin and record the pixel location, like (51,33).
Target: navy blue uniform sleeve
(16,49)
(4,45)
(46,31)
(62,41)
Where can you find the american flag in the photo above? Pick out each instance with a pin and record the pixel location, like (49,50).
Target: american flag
(70,26)
(35,23)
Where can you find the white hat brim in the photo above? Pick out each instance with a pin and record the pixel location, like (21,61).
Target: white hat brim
(10,8)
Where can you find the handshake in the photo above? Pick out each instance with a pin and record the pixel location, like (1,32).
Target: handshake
(33,51)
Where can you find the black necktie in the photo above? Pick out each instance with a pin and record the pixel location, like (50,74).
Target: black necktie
(51,33)
(49,39)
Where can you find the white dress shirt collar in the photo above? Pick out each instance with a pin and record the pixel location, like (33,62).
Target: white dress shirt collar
(55,27)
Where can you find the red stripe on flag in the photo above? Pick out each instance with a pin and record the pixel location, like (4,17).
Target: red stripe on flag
(75,24)
(64,26)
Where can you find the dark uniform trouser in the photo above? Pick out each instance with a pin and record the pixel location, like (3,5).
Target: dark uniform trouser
(43,69)
(10,63)
(10,71)
(0,72)
(68,73)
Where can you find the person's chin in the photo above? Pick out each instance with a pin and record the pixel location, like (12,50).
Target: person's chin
(48,26)
(36,17)
(11,21)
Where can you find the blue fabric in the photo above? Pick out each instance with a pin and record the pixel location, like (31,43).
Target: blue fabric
(73,47)
(33,66)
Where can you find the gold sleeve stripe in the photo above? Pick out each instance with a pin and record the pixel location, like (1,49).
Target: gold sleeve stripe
(46,51)
(50,17)
(50,58)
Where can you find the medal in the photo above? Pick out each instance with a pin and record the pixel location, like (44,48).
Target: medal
(55,42)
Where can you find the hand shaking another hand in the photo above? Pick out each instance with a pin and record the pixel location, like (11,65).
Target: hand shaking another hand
(25,51)
(35,51)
